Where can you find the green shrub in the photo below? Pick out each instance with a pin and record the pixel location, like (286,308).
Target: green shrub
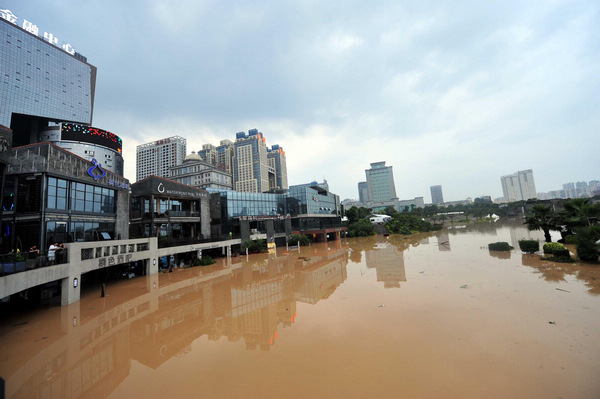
(204,261)
(529,246)
(500,246)
(299,238)
(562,253)
(552,247)
(587,249)
(571,239)
(254,246)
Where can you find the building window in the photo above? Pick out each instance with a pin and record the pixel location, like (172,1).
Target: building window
(57,193)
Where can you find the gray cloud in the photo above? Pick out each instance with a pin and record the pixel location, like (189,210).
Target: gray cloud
(456,94)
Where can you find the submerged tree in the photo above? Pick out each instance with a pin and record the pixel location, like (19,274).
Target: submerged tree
(543,218)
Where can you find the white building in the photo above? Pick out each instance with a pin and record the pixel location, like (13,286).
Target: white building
(519,186)
(156,158)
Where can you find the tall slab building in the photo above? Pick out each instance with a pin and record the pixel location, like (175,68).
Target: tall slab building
(363,192)
(380,182)
(257,169)
(519,186)
(436,195)
(156,158)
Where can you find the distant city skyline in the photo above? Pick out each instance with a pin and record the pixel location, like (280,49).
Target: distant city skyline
(450,94)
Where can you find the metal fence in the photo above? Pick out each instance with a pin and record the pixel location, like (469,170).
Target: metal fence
(23,261)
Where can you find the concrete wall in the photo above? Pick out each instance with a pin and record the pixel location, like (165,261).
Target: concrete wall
(122,222)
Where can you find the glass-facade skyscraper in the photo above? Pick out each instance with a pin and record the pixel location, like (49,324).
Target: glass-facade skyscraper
(40,81)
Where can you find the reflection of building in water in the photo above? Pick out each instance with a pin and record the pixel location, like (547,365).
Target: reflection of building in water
(388,262)
(87,353)
(248,301)
(315,282)
(443,241)
(521,232)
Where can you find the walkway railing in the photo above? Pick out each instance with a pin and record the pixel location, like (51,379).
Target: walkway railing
(23,261)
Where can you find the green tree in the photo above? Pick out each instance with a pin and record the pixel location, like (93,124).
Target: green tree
(587,249)
(360,228)
(543,218)
(579,212)
(352,214)
(390,211)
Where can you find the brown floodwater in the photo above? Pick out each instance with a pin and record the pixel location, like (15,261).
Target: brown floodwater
(426,316)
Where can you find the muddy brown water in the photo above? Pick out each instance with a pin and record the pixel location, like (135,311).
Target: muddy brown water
(428,316)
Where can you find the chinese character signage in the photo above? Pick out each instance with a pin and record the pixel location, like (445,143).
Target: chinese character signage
(30,27)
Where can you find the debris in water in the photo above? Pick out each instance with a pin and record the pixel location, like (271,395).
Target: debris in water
(560,289)
(381,306)
(551,322)
(464,286)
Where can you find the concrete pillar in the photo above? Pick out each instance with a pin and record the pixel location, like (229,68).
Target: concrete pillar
(153,287)
(152,262)
(245,229)
(70,290)
(151,266)
(270,231)
(70,317)
(288,227)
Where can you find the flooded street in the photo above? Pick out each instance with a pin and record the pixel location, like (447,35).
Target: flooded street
(427,316)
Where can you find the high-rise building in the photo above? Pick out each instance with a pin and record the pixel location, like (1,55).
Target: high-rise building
(208,153)
(225,155)
(519,186)
(43,80)
(157,157)
(257,169)
(363,192)
(196,172)
(277,168)
(380,182)
(436,195)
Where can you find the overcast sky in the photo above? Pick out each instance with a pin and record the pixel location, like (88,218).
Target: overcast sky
(451,93)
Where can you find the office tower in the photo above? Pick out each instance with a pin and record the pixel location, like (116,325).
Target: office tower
(257,169)
(519,186)
(42,80)
(208,154)
(250,162)
(380,182)
(225,155)
(157,157)
(436,195)
(196,172)
(363,192)
(277,167)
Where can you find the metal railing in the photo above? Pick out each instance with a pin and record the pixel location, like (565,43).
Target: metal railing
(23,261)
(175,242)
